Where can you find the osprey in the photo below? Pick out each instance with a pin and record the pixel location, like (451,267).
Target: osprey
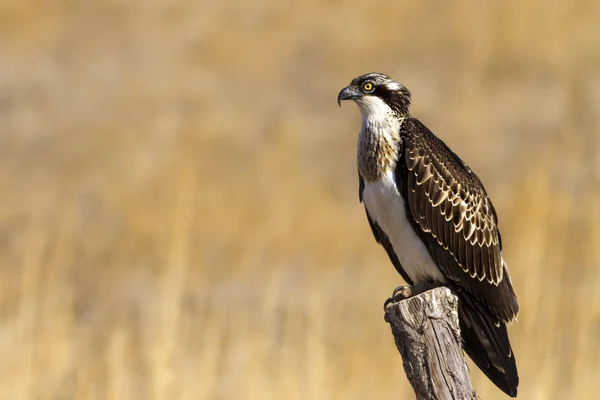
(432,215)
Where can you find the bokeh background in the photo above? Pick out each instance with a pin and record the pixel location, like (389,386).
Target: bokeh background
(179,214)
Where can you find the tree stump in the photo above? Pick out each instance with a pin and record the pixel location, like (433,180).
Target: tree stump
(427,334)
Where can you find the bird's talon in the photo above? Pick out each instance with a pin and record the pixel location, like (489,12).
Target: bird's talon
(387,303)
(401,293)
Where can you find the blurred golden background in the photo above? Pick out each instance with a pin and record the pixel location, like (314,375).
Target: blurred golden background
(179,216)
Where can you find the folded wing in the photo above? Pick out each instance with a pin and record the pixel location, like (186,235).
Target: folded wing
(454,216)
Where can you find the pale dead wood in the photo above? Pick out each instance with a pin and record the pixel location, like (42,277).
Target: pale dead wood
(427,334)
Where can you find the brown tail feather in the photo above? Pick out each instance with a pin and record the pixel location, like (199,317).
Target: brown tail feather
(486,342)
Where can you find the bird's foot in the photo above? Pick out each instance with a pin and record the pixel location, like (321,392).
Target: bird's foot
(404,292)
(400,293)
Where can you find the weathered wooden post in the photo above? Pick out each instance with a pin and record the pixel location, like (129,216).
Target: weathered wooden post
(427,334)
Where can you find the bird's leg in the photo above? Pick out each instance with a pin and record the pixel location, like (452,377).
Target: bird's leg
(400,293)
(404,292)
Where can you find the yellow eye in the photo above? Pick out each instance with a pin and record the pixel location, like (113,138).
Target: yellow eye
(367,87)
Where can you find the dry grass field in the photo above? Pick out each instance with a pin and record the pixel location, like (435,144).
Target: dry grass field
(179,215)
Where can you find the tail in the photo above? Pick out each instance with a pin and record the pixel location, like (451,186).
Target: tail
(486,342)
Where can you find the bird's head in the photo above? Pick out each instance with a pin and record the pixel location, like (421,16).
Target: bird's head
(376,93)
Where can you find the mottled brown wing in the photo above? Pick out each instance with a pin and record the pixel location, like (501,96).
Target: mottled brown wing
(449,209)
(449,201)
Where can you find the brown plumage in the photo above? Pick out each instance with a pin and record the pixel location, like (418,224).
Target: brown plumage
(449,204)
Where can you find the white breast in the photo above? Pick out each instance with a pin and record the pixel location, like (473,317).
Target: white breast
(386,207)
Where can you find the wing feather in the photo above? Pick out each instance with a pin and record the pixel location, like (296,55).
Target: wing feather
(478,267)
(491,267)
(493,272)
(449,204)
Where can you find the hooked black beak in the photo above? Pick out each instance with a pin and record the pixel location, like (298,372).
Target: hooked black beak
(347,93)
